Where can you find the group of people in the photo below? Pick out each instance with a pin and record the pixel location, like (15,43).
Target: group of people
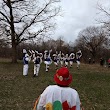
(67,60)
(57,58)
(59,96)
(36,57)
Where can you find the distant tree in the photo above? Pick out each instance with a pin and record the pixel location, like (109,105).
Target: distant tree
(60,42)
(104,10)
(23,20)
(105,20)
(91,39)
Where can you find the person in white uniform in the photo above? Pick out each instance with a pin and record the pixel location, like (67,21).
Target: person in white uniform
(26,59)
(47,59)
(55,60)
(78,57)
(62,58)
(59,96)
(37,61)
(66,60)
(71,59)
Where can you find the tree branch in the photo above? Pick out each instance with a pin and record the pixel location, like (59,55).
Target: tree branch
(5,17)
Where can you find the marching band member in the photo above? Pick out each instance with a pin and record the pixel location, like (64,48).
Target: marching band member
(71,59)
(33,54)
(62,59)
(66,60)
(55,59)
(47,59)
(26,59)
(78,56)
(58,57)
(37,61)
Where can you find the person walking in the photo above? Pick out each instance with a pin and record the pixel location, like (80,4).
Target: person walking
(37,61)
(47,59)
(71,59)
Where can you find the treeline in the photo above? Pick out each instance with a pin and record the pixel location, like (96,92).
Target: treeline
(24,25)
(94,48)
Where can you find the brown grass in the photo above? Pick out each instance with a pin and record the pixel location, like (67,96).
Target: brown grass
(19,93)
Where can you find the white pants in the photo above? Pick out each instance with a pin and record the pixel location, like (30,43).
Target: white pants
(56,63)
(25,69)
(36,69)
(61,63)
(78,63)
(66,63)
(47,67)
(71,63)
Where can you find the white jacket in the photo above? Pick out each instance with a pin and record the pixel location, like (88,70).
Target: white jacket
(56,93)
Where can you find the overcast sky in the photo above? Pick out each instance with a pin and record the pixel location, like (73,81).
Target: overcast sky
(77,15)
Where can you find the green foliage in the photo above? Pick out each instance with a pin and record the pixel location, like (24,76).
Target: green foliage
(19,93)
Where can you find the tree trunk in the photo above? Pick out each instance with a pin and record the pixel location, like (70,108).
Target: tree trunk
(14,45)
(13,35)
(14,53)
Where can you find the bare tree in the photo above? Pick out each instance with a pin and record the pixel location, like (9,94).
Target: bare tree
(104,12)
(23,20)
(60,42)
(91,38)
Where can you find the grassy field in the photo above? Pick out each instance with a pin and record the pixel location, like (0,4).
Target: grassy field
(19,93)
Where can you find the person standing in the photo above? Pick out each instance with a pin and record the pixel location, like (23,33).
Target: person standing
(26,59)
(89,60)
(101,61)
(78,56)
(59,96)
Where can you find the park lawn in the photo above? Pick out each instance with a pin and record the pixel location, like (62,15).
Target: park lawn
(19,93)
